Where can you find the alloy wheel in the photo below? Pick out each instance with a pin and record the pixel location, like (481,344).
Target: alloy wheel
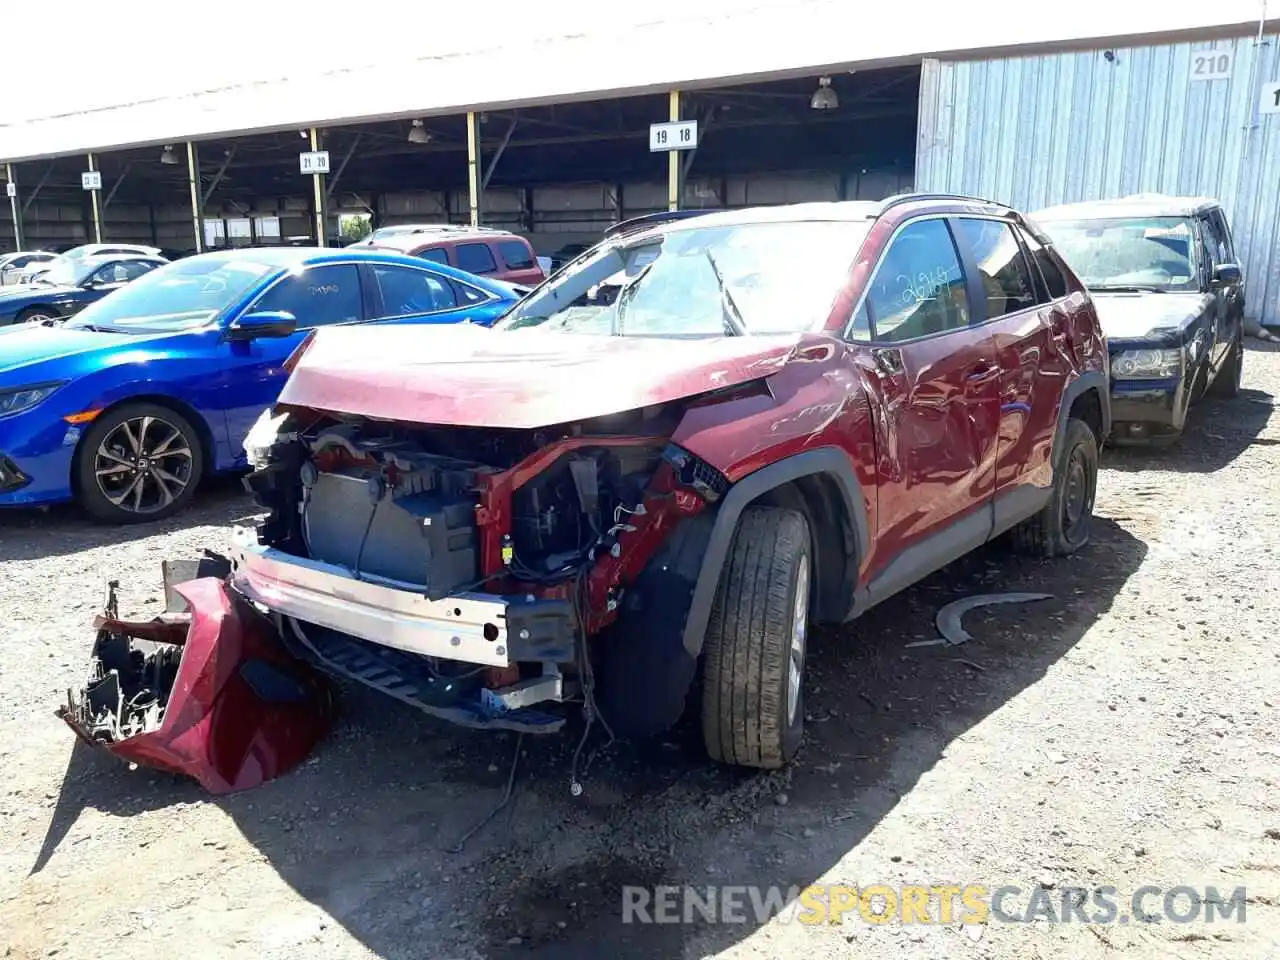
(799,635)
(143,464)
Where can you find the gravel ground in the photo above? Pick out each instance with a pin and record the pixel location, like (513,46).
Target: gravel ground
(1122,734)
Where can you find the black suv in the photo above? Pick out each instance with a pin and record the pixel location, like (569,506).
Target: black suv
(1170,294)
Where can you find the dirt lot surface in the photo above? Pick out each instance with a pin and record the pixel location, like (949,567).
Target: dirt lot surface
(1122,734)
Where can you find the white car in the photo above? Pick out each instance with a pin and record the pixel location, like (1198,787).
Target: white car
(13,264)
(34,270)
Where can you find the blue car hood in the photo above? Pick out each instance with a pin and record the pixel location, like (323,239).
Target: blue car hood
(28,345)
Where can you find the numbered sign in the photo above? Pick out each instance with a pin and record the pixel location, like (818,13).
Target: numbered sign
(681,135)
(1270,100)
(315,162)
(91,180)
(11,190)
(1211,64)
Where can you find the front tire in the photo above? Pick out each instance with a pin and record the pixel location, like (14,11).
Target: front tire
(1062,527)
(756,642)
(1227,383)
(138,462)
(36,315)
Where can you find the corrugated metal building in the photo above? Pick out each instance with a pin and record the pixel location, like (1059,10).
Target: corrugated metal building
(1060,127)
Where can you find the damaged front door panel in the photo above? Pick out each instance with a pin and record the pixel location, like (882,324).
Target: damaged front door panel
(212,693)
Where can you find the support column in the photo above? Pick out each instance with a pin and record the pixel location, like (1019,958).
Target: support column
(473,167)
(97,205)
(14,206)
(674,177)
(197,206)
(321,206)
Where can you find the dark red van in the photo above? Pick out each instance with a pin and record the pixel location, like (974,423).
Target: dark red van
(499,254)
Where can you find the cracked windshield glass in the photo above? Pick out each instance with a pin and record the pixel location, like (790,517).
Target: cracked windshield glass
(728,280)
(1142,253)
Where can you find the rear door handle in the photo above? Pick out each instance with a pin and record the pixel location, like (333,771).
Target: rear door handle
(888,360)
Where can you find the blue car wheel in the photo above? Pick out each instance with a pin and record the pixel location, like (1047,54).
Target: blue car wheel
(138,462)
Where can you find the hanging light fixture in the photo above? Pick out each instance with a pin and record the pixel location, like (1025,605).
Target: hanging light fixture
(824,98)
(167,155)
(418,133)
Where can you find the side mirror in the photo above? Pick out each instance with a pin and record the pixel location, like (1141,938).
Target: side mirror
(263,323)
(1226,273)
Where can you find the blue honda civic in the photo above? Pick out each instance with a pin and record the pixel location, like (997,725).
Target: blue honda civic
(125,406)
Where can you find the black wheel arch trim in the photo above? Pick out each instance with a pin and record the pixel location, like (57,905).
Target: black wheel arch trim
(829,462)
(1088,380)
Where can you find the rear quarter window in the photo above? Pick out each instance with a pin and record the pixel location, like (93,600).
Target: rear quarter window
(1055,281)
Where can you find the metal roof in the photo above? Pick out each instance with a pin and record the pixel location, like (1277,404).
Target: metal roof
(1137,205)
(430,60)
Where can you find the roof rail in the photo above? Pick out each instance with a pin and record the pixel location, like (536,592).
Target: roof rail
(652,220)
(899,198)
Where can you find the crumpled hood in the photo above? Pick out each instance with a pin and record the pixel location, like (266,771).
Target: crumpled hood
(1138,316)
(28,345)
(469,376)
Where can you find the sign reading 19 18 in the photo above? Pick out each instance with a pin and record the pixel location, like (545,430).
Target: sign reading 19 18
(677,135)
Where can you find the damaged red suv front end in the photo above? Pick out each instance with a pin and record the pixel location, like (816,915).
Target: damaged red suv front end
(459,553)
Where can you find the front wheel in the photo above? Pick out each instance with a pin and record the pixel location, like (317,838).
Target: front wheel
(1227,383)
(36,315)
(752,687)
(138,462)
(1062,527)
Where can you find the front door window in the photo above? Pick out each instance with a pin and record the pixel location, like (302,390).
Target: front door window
(317,297)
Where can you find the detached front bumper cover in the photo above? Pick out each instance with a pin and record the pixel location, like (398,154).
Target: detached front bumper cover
(210,693)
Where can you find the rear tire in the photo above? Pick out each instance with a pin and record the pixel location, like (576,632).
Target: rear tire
(1227,383)
(1062,527)
(755,646)
(138,462)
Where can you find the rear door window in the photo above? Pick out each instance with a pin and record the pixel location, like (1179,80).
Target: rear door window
(1002,268)
(435,255)
(516,254)
(406,291)
(475,258)
(319,296)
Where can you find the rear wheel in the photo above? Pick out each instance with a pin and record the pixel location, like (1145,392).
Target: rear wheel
(138,462)
(1227,383)
(1062,527)
(755,647)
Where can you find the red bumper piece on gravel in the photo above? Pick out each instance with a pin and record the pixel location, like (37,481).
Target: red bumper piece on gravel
(211,693)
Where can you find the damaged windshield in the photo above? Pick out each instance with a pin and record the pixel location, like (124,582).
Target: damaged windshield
(705,281)
(1133,253)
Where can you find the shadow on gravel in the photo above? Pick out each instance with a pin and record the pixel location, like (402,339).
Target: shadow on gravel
(64,529)
(364,829)
(1217,432)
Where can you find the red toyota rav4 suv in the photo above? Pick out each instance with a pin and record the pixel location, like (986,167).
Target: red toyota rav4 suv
(645,483)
